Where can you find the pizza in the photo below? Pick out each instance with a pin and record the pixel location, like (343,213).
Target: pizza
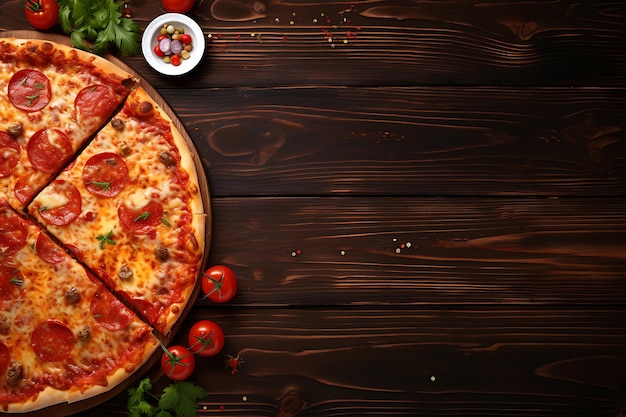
(102,225)
(60,339)
(129,207)
(53,99)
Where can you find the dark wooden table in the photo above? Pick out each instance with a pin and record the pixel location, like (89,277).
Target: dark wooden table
(423,203)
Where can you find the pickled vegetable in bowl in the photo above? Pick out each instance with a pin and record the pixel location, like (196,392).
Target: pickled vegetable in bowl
(173,44)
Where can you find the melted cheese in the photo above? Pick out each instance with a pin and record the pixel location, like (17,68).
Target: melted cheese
(59,113)
(42,297)
(51,201)
(153,279)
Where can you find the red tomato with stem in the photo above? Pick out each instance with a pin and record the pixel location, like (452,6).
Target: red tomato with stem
(177,362)
(206,338)
(219,283)
(42,14)
(178,6)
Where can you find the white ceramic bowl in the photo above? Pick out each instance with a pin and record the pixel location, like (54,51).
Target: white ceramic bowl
(150,39)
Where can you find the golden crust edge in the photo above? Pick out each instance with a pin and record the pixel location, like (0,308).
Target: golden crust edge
(200,217)
(99,62)
(52,397)
(119,376)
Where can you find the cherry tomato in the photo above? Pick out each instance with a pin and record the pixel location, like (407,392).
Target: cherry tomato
(158,51)
(219,283)
(178,6)
(185,38)
(175,60)
(206,338)
(178,362)
(42,14)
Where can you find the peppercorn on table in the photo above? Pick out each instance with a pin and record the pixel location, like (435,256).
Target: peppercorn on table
(423,204)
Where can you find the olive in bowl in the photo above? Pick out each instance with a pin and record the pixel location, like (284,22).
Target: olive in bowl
(173,44)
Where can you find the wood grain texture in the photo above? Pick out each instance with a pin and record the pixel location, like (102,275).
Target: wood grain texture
(408,362)
(409,141)
(423,202)
(395,43)
(420,251)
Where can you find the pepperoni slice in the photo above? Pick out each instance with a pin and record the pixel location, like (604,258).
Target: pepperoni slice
(109,311)
(13,232)
(149,311)
(52,341)
(104,276)
(66,204)
(78,253)
(142,221)
(145,308)
(95,101)
(29,90)
(24,190)
(11,280)
(9,154)
(48,250)
(5,358)
(105,174)
(49,150)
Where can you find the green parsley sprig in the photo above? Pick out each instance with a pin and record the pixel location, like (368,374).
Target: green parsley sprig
(104,239)
(95,24)
(180,397)
(103,185)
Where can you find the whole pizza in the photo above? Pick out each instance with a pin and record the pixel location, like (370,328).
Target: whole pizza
(102,225)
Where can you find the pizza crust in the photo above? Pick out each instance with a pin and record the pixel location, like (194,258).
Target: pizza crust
(120,375)
(46,398)
(49,396)
(187,164)
(53,397)
(200,217)
(99,62)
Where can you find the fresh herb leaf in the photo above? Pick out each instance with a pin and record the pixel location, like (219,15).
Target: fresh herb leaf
(93,25)
(142,216)
(165,222)
(137,393)
(17,281)
(78,40)
(103,185)
(31,98)
(169,399)
(33,5)
(104,239)
(180,397)
(137,405)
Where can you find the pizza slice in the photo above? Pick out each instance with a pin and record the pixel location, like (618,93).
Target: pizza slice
(64,336)
(53,98)
(130,208)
